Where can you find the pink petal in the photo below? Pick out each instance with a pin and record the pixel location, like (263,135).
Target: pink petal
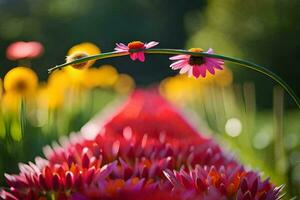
(117,49)
(178,64)
(210,68)
(141,56)
(179,57)
(220,67)
(122,46)
(196,72)
(214,63)
(210,51)
(214,60)
(151,44)
(134,56)
(185,69)
(201,70)
(190,72)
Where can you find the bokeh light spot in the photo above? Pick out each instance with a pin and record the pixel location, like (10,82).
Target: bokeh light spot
(233,127)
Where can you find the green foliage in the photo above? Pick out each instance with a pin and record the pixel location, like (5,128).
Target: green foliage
(42,127)
(263,31)
(267,141)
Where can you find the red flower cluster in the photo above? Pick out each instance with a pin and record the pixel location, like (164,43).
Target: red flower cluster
(147,151)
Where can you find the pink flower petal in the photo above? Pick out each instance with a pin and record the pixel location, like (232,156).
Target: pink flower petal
(210,51)
(190,72)
(201,70)
(122,46)
(141,56)
(210,68)
(196,72)
(151,44)
(185,69)
(214,63)
(178,64)
(134,56)
(214,60)
(120,50)
(220,67)
(179,57)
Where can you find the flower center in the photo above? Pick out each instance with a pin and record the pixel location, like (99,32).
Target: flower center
(21,86)
(136,45)
(77,56)
(196,60)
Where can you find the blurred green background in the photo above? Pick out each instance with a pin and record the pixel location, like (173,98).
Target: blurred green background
(264,31)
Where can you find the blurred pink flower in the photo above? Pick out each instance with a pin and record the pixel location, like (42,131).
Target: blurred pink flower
(24,50)
(141,153)
(196,65)
(135,45)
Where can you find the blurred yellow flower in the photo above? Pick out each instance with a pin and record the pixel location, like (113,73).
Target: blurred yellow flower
(70,78)
(1,88)
(80,51)
(67,79)
(104,77)
(21,80)
(224,78)
(124,84)
(50,97)
(182,88)
(59,79)
(75,77)
(11,102)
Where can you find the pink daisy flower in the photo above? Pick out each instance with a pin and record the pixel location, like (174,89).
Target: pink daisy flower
(135,46)
(196,65)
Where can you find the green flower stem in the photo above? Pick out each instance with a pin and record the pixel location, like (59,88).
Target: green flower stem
(85,59)
(240,62)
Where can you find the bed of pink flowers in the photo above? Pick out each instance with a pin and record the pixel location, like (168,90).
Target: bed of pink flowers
(147,150)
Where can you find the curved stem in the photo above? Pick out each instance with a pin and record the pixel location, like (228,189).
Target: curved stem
(240,62)
(85,59)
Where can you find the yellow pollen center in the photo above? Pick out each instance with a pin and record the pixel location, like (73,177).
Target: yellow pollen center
(196,50)
(196,60)
(136,45)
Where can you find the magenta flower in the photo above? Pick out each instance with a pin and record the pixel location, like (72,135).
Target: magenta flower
(141,153)
(196,65)
(135,46)
(226,182)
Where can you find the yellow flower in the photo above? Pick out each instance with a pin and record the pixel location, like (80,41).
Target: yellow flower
(80,51)
(50,97)
(21,80)
(75,77)
(1,88)
(11,102)
(104,76)
(67,78)
(124,84)
(224,78)
(59,79)
(181,88)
